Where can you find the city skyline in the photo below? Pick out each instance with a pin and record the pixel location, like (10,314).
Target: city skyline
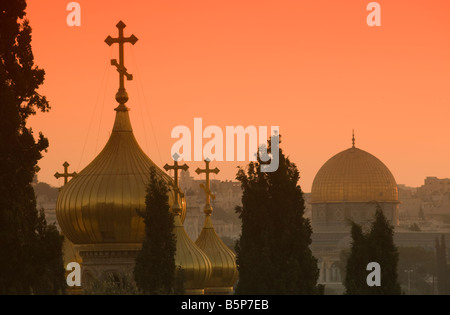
(314,69)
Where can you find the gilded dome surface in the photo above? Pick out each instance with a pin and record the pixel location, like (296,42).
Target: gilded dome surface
(194,262)
(354,175)
(99,204)
(223,260)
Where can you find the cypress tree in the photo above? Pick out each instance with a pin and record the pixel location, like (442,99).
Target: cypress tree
(377,245)
(154,271)
(383,251)
(50,273)
(355,275)
(30,250)
(273,253)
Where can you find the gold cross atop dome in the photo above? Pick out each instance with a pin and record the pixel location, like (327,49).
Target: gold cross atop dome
(206,187)
(66,173)
(122,95)
(176,205)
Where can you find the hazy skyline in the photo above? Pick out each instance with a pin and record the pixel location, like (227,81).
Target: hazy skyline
(313,68)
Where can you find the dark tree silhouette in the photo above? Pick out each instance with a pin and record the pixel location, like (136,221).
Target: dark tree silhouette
(375,246)
(273,253)
(30,250)
(154,271)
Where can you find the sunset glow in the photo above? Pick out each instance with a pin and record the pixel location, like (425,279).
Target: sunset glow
(313,68)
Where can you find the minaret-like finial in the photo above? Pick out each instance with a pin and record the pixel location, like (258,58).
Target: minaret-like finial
(206,187)
(122,95)
(353,138)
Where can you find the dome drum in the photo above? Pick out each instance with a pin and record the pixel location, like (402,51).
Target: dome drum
(337,216)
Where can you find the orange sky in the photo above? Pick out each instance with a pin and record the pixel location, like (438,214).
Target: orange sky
(312,67)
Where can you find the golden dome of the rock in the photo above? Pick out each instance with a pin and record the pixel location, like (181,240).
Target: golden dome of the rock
(99,204)
(354,175)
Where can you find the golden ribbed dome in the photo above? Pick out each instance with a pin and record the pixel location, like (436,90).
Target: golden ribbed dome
(354,175)
(223,260)
(194,262)
(99,204)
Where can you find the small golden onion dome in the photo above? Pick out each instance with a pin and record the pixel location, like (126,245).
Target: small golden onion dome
(99,204)
(194,262)
(354,175)
(223,260)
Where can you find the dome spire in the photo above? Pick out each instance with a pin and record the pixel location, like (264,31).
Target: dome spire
(353,138)
(121,95)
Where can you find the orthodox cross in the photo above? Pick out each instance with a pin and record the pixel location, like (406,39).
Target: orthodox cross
(206,187)
(121,95)
(176,167)
(66,173)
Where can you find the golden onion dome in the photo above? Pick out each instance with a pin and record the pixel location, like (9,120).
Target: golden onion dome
(354,175)
(99,204)
(194,262)
(223,260)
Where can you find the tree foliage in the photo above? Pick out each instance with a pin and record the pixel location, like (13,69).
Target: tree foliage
(155,270)
(273,254)
(355,274)
(111,284)
(375,246)
(30,250)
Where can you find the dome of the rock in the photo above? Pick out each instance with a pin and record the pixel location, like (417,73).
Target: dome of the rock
(349,187)
(354,175)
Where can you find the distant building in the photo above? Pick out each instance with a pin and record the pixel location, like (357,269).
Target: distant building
(410,205)
(434,186)
(435,199)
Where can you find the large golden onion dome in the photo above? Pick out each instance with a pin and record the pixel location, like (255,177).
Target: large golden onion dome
(354,175)
(99,204)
